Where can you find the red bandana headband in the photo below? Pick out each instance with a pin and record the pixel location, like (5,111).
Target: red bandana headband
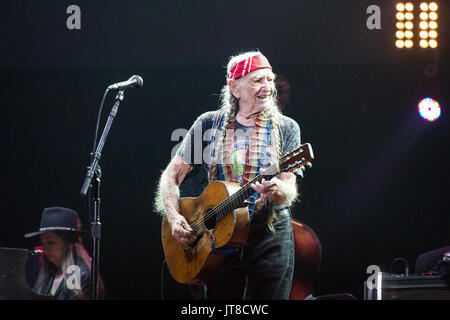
(244,67)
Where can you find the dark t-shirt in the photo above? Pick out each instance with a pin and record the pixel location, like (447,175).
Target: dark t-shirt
(195,148)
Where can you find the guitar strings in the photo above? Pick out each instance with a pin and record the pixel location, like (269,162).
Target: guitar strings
(272,170)
(231,199)
(227,202)
(197,225)
(199,222)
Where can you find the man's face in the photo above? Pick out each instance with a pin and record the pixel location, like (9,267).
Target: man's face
(255,90)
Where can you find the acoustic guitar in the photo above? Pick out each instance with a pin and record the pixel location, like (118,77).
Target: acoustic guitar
(220,220)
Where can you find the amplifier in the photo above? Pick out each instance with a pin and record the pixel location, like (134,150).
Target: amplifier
(400,287)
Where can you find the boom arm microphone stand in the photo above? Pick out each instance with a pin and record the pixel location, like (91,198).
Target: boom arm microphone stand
(92,182)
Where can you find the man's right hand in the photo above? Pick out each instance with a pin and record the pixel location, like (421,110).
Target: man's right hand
(170,180)
(181,230)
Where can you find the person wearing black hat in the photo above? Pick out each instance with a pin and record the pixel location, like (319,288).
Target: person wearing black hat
(65,264)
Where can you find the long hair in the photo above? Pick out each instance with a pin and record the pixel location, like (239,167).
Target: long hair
(229,105)
(74,254)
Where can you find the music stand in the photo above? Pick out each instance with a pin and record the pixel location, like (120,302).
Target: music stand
(13,284)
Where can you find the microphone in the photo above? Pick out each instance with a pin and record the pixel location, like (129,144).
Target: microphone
(133,82)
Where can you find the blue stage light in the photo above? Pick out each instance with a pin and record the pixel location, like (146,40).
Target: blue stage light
(429,109)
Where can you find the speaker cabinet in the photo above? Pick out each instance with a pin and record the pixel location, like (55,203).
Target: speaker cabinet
(399,287)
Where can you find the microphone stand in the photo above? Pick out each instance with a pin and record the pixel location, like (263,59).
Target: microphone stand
(92,182)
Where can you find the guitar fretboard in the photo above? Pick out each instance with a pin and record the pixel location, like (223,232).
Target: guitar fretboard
(236,199)
(295,159)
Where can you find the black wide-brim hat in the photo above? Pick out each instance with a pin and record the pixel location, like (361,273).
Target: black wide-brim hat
(58,219)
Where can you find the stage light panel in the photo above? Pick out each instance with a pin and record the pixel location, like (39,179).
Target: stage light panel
(433,16)
(409,34)
(423,43)
(409,16)
(423,34)
(400,44)
(400,7)
(426,25)
(433,43)
(400,34)
(424,6)
(400,16)
(433,25)
(433,6)
(423,25)
(409,6)
(433,34)
(409,44)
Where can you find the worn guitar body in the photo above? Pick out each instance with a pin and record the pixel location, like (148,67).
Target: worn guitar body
(196,263)
(219,218)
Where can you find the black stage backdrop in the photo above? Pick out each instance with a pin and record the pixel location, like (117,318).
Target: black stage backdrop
(379,185)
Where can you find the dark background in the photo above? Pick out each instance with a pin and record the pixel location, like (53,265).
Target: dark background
(379,185)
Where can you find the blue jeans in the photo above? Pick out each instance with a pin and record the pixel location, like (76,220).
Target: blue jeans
(263,269)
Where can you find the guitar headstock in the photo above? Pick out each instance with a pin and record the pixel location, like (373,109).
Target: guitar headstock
(298,158)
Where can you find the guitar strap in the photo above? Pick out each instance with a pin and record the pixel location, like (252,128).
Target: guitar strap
(259,142)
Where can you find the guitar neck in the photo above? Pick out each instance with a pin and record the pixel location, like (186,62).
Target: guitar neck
(236,199)
(298,158)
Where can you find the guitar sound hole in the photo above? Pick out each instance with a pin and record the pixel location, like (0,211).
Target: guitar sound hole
(209,222)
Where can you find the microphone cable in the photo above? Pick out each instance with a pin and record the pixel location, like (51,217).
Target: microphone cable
(95,147)
(98,121)
(89,195)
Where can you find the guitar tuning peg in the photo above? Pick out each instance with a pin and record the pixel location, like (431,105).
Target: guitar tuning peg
(310,164)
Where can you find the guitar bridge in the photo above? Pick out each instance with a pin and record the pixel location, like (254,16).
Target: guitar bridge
(211,236)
